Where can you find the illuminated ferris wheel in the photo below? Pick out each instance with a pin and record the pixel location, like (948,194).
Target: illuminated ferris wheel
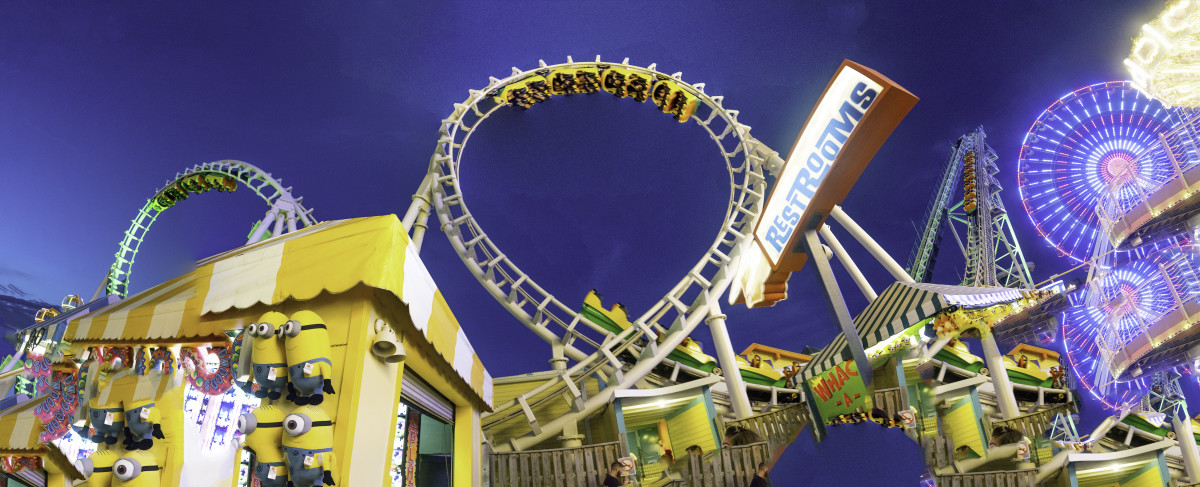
(1096,140)
(1133,296)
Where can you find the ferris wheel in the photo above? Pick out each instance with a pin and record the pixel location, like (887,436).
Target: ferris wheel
(1098,140)
(1131,296)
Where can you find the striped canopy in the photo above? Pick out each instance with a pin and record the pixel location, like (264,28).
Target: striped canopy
(330,257)
(900,306)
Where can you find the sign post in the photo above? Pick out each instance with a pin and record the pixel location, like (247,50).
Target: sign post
(857,112)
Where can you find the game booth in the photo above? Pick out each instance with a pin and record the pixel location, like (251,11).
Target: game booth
(326,356)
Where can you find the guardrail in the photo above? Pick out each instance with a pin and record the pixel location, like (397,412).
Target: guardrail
(1035,424)
(778,427)
(1007,478)
(733,466)
(583,466)
(892,400)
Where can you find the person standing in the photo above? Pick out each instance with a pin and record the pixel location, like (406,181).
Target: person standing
(760,477)
(613,478)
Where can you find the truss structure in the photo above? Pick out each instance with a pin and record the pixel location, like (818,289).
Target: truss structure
(977,221)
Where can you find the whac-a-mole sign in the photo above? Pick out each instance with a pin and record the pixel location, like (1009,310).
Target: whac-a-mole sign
(839,391)
(856,113)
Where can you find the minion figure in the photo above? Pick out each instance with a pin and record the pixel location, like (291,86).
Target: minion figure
(306,345)
(97,468)
(264,357)
(136,469)
(308,447)
(263,431)
(142,424)
(107,421)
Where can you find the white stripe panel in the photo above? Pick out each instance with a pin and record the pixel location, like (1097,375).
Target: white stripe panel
(418,289)
(168,315)
(116,323)
(22,429)
(243,280)
(84,326)
(378,388)
(463,356)
(487,387)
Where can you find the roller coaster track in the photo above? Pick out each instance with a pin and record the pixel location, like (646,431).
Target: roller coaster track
(593,348)
(285,210)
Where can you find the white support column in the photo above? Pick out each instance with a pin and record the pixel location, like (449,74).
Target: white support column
(279,222)
(419,226)
(728,360)
(840,252)
(1000,382)
(1187,445)
(833,297)
(262,226)
(570,434)
(881,255)
(420,200)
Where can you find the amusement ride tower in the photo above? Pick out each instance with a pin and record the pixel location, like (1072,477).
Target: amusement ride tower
(993,255)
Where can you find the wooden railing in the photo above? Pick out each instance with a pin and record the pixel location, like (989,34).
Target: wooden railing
(583,466)
(779,427)
(1007,478)
(939,451)
(733,467)
(892,400)
(1034,425)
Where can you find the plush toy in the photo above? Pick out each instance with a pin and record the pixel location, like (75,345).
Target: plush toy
(142,424)
(106,420)
(136,469)
(97,468)
(308,446)
(264,357)
(263,431)
(306,345)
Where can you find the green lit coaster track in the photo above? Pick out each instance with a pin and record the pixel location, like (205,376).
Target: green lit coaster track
(286,212)
(659,330)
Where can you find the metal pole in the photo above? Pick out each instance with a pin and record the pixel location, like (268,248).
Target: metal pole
(840,252)
(262,226)
(570,434)
(728,360)
(872,247)
(420,201)
(1187,443)
(1000,382)
(419,226)
(833,296)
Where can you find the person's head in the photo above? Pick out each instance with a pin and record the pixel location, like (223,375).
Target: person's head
(762,469)
(614,468)
(695,450)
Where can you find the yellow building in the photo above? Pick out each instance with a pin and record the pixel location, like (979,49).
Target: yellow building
(373,294)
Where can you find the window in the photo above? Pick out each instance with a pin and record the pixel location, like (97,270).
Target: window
(422,454)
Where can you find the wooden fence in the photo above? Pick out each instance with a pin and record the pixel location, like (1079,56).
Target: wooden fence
(1034,425)
(1007,478)
(732,467)
(891,400)
(939,451)
(778,427)
(583,466)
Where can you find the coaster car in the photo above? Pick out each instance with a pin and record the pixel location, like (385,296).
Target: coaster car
(616,319)
(760,372)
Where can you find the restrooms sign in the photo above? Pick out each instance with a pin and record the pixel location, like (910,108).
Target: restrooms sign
(855,115)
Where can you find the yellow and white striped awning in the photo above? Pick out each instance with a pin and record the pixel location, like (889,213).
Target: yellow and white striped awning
(19,428)
(331,257)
